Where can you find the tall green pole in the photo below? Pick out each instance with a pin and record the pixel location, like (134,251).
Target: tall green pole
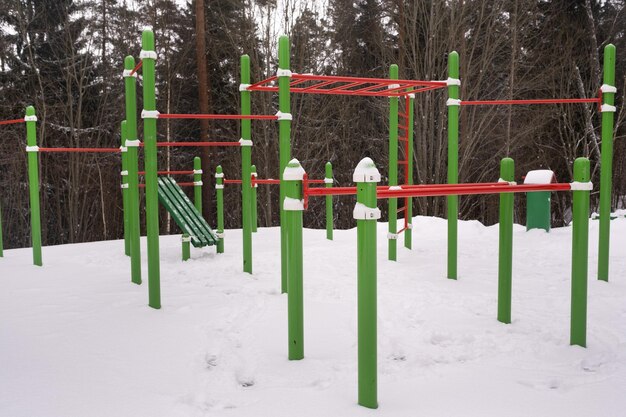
(219,191)
(606,166)
(328,180)
(125,189)
(185,239)
(197,181)
(255,213)
(246,161)
(33,183)
(393,168)
(149,114)
(505,253)
(132,157)
(293,207)
(366,213)
(284,133)
(453,162)
(580,245)
(408,233)
(1,244)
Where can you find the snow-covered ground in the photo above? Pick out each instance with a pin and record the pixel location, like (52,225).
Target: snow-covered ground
(78,340)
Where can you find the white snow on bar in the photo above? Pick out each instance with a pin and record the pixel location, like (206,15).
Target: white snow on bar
(362,212)
(581,186)
(293,204)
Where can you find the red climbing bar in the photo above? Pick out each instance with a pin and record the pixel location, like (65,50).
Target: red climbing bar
(265,181)
(134,70)
(538,101)
(218,116)
(80,150)
(195,144)
(456,189)
(11,122)
(191,172)
(232,181)
(352,86)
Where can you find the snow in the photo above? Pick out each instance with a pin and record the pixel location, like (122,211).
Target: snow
(78,339)
(539,176)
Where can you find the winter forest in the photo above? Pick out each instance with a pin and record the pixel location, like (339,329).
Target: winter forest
(65,57)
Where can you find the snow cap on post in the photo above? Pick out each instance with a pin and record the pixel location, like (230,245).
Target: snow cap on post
(366,171)
(293,171)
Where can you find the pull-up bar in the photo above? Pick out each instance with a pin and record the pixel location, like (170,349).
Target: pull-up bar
(533,101)
(188,172)
(195,144)
(76,150)
(217,116)
(11,122)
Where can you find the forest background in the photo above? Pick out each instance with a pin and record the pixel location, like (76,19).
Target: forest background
(65,57)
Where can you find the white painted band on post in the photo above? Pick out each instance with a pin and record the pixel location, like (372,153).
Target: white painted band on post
(608,108)
(32,118)
(245,142)
(283,73)
(124,173)
(219,186)
(133,143)
(123,149)
(219,175)
(244,87)
(124,186)
(605,88)
(197,171)
(453,102)
(362,212)
(581,186)
(185,239)
(411,95)
(196,183)
(328,181)
(220,235)
(283,116)
(149,114)
(127,73)
(293,204)
(453,81)
(32,148)
(147,54)
(392,236)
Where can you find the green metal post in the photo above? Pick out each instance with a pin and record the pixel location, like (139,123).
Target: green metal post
(255,213)
(150,156)
(366,213)
(293,207)
(125,188)
(246,161)
(453,162)
(284,134)
(33,183)
(408,233)
(580,245)
(393,168)
(1,244)
(606,165)
(132,158)
(197,181)
(219,191)
(328,179)
(505,254)
(185,239)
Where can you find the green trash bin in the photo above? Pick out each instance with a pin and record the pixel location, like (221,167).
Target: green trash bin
(538,213)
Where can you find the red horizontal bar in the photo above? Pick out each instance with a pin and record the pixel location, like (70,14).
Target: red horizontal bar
(323,191)
(11,122)
(232,181)
(219,116)
(194,144)
(265,181)
(169,172)
(454,189)
(134,70)
(80,150)
(538,101)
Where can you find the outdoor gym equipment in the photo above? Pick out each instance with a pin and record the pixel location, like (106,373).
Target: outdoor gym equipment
(366,213)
